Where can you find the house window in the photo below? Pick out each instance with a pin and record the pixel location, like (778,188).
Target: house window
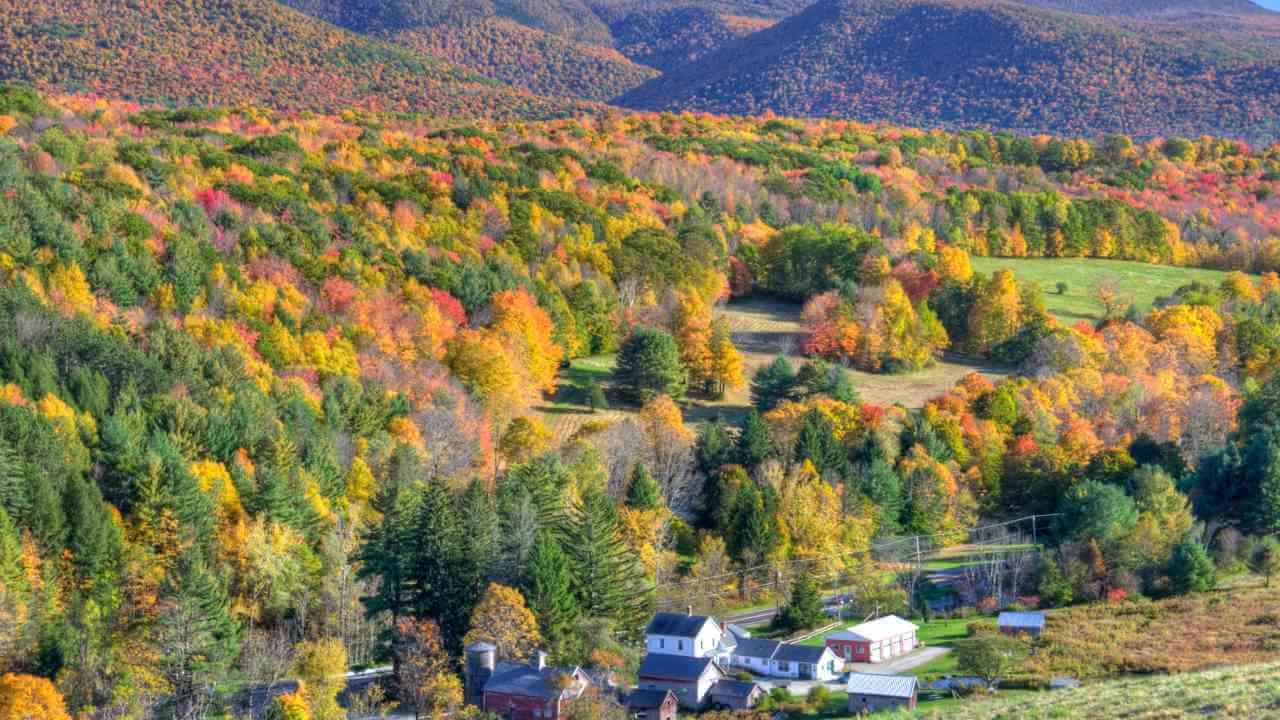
(784,666)
(680,645)
(661,643)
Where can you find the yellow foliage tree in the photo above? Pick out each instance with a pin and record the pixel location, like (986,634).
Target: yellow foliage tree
(525,438)
(321,666)
(501,618)
(27,697)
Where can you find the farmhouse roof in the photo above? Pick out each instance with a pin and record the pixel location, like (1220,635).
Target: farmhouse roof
(889,626)
(678,625)
(756,648)
(896,686)
(1021,620)
(647,699)
(528,681)
(734,688)
(679,668)
(812,654)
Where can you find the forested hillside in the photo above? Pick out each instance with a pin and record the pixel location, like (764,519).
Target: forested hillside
(238,52)
(936,63)
(274,387)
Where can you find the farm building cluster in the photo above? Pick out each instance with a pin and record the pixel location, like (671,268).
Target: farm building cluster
(692,662)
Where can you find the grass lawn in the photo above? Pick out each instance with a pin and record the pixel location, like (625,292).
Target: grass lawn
(1145,282)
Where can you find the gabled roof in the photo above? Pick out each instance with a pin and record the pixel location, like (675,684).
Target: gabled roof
(647,699)
(734,688)
(889,626)
(528,681)
(812,654)
(897,686)
(678,625)
(737,631)
(679,668)
(1021,619)
(756,648)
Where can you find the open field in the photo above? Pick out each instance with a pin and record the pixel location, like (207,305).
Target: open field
(762,328)
(1144,282)
(1251,691)
(1191,632)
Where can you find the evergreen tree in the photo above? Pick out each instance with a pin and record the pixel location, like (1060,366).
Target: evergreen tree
(549,589)
(772,384)
(95,540)
(714,447)
(480,528)
(643,492)
(608,580)
(1267,509)
(804,609)
(1191,569)
(720,497)
(880,483)
(519,525)
(444,583)
(649,365)
(13,483)
(751,536)
(197,635)
(816,442)
(383,557)
(755,443)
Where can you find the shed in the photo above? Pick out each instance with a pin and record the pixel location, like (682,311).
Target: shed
(875,640)
(735,694)
(1021,623)
(689,678)
(645,704)
(870,693)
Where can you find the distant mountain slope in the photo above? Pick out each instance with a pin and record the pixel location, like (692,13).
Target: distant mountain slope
(236,52)
(540,62)
(568,18)
(984,63)
(665,39)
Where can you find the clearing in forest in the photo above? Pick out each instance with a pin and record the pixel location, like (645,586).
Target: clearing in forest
(762,329)
(1140,282)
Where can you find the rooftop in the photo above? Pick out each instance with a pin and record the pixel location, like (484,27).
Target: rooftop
(811,654)
(889,626)
(734,688)
(673,667)
(677,624)
(897,686)
(644,699)
(756,648)
(528,681)
(1021,619)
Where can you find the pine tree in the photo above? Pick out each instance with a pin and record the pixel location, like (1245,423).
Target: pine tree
(549,588)
(1267,509)
(643,492)
(198,638)
(444,583)
(1191,569)
(816,442)
(383,557)
(13,483)
(804,609)
(751,538)
(480,527)
(649,365)
(755,443)
(715,446)
(772,384)
(608,580)
(882,486)
(95,541)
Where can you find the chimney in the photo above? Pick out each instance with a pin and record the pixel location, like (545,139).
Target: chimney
(539,660)
(688,610)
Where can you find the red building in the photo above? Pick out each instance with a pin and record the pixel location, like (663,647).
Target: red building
(652,704)
(533,692)
(874,641)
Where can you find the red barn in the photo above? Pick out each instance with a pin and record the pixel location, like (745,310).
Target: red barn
(533,692)
(874,641)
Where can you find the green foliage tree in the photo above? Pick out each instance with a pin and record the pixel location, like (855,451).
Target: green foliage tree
(755,442)
(772,384)
(989,657)
(804,609)
(1265,558)
(643,492)
(649,365)
(549,589)
(1191,569)
(608,581)
(1097,510)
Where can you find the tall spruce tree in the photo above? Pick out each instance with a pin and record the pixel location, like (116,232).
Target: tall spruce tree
(772,384)
(643,492)
(480,528)
(549,590)
(804,609)
(198,637)
(444,583)
(608,579)
(755,442)
(649,365)
(13,482)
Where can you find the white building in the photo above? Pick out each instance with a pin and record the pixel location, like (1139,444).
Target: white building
(874,641)
(695,636)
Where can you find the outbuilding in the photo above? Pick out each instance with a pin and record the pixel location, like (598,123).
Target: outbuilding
(689,678)
(1021,623)
(805,662)
(645,704)
(735,694)
(870,693)
(874,641)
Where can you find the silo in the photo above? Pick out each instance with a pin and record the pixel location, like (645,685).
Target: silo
(481,658)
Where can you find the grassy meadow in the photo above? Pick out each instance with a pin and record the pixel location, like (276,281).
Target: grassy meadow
(1143,282)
